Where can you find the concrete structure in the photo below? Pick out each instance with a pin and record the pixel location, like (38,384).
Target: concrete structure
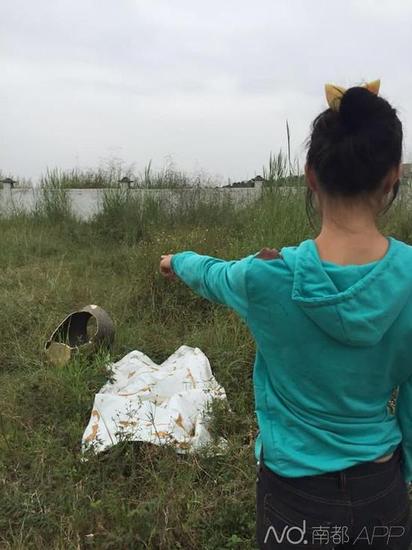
(125,183)
(8,183)
(86,203)
(256,182)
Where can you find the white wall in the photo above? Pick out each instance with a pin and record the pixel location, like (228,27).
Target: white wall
(87,202)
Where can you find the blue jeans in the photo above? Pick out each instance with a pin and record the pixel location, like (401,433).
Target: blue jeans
(365,506)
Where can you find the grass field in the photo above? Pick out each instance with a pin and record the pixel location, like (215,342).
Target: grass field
(134,495)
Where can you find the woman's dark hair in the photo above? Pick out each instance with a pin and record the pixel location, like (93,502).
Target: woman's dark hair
(351,150)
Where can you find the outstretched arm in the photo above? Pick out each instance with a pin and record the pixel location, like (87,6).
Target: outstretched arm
(216,280)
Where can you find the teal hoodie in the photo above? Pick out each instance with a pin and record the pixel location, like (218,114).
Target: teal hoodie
(332,343)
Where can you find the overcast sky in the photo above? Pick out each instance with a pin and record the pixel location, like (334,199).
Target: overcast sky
(209,83)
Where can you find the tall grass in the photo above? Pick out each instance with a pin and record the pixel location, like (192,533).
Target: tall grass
(130,215)
(125,215)
(81,179)
(282,171)
(110,174)
(167,177)
(53,203)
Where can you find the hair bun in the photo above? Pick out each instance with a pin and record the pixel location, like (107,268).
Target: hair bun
(358,106)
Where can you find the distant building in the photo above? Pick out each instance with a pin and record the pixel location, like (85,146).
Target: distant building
(9,182)
(254,182)
(126,182)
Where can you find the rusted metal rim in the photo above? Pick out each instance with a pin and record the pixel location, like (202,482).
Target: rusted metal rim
(74,334)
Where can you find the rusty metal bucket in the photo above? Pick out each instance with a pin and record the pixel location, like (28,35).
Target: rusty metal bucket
(85,330)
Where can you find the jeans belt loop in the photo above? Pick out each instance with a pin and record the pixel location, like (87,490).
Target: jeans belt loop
(342,480)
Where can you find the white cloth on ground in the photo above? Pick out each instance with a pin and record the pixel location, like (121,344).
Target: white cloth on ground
(160,404)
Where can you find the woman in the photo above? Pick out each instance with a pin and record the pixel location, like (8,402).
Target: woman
(332,322)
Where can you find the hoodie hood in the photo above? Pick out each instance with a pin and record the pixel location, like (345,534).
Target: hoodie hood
(362,313)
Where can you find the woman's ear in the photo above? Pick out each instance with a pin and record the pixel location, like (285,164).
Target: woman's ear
(310,178)
(392,177)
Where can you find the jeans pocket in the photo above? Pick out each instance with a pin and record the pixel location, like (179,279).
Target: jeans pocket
(392,528)
(395,502)
(396,531)
(303,524)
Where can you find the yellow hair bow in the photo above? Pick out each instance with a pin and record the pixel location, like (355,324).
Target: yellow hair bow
(334,93)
